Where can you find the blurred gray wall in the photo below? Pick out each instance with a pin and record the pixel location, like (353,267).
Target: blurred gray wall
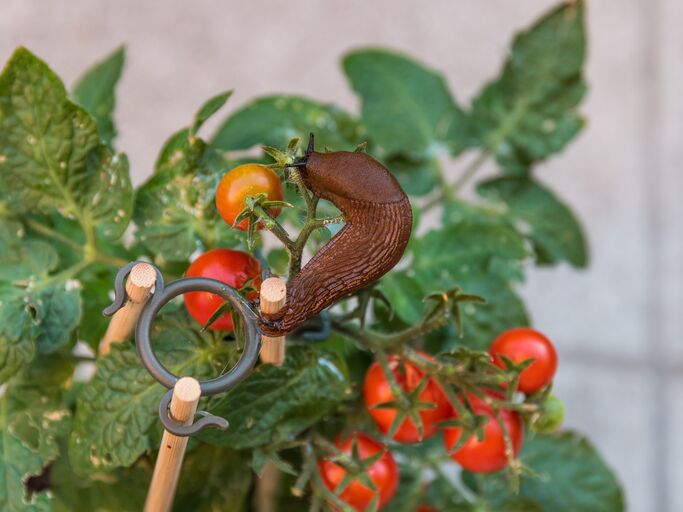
(617,325)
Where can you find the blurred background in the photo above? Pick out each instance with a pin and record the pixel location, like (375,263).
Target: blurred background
(617,325)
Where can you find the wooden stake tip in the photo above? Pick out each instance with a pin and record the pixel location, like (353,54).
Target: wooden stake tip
(187,389)
(143,275)
(273,289)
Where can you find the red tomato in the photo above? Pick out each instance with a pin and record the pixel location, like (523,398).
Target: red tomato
(383,473)
(241,182)
(425,508)
(523,343)
(234,268)
(377,390)
(487,455)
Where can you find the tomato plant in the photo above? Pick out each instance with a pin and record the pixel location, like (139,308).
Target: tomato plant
(429,402)
(244,181)
(379,471)
(525,344)
(235,268)
(78,441)
(488,453)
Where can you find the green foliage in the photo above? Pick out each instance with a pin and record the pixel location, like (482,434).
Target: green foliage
(39,311)
(529,112)
(570,477)
(550,225)
(32,419)
(66,199)
(123,490)
(397,92)
(117,409)
(276,403)
(478,257)
(213,479)
(95,92)
(53,158)
(275,120)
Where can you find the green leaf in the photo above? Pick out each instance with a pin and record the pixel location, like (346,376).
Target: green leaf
(58,312)
(275,120)
(32,418)
(551,225)
(38,312)
(530,111)
(17,332)
(51,156)
(209,108)
(276,402)
(278,261)
(97,282)
(175,209)
(123,490)
(417,177)
(95,91)
(213,479)
(571,477)
(117,409)
(407,108)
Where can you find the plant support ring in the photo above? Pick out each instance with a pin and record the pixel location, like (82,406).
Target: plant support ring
(199,284)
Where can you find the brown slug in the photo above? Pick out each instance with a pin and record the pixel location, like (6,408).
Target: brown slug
(377,228)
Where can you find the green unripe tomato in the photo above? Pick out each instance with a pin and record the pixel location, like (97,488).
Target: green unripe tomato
(552,417)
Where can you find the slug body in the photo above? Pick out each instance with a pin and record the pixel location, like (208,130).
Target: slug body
(378,225)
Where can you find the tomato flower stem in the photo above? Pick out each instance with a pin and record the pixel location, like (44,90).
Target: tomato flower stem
(379,341)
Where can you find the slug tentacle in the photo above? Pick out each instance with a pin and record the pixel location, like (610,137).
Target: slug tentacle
(373,239)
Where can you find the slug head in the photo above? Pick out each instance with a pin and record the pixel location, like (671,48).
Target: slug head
(349,175)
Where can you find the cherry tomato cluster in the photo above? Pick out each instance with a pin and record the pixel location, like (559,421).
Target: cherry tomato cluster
(423,396)
(421,408)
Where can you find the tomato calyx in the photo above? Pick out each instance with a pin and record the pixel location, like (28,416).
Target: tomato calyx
(405,401)
(472,425)
(513,371)
(356,468)
(257,213)
(358,472)
(257,208)
(450,302)
(407,406)
(488,438)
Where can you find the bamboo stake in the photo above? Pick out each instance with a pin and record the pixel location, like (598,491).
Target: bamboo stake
(139,284)
(266,488)
(273,296)
(183,407)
